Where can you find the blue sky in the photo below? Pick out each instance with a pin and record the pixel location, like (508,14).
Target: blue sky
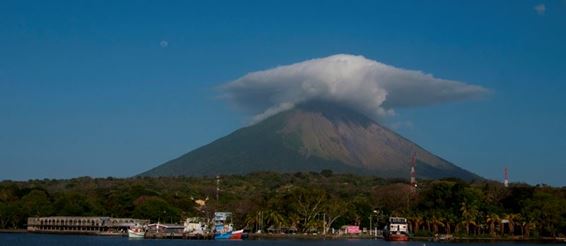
(113,88)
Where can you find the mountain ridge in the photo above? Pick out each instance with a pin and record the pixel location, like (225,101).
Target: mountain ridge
(312,137)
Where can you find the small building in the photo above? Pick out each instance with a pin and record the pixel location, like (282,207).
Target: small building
(350,230)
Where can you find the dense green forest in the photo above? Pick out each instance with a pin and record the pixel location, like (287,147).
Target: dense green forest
(306,202)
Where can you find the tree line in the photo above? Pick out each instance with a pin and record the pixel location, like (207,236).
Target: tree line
(299,202)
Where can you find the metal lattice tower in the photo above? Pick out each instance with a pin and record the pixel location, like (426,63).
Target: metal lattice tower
(506,176)
(217,187)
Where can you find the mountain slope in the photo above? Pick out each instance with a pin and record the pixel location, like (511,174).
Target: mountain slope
(311,137)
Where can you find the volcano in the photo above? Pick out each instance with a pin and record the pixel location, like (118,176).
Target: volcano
(312,137)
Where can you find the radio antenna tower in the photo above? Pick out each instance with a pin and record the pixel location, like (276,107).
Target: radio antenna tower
(413,170)
(217,187)
(506,175)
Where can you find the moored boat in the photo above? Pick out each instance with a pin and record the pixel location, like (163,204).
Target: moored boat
(136,232)
(396,230)
(195,226)
(232,235)
(223,228)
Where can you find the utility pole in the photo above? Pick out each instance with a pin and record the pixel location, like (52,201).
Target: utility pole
(370,229)
(413,181)
(324,224)
(413,170)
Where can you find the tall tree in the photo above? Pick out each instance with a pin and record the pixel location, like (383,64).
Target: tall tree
(308,204)
(333,209)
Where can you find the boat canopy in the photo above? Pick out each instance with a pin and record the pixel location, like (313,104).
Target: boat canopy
(397,220)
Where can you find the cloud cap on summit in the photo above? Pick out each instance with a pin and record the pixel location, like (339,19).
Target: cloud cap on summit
(367,86)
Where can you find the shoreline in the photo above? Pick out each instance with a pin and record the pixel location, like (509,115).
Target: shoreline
(491,239)
(13,231)
(265,236)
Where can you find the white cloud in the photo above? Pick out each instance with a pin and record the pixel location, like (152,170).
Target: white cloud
(540,9)
(365,85)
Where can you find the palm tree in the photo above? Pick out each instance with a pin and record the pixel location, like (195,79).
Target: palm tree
(529,223)
(293,221)
(274,218)
(436,221)
(491,219)
(449,219)
(416,220)
(469,215)
(519,220)
(254,220)
(511,218)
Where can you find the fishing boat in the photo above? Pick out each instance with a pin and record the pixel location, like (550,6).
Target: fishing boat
(396,230)
(232,235)
(136,232)
(223,228)
(195,226)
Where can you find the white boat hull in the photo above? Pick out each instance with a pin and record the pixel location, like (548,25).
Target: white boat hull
(135,234)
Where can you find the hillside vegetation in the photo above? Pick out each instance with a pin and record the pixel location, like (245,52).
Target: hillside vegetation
(298,201)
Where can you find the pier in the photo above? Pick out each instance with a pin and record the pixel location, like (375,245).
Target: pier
(82,225)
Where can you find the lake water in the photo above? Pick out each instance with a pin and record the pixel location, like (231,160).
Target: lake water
(25,239)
